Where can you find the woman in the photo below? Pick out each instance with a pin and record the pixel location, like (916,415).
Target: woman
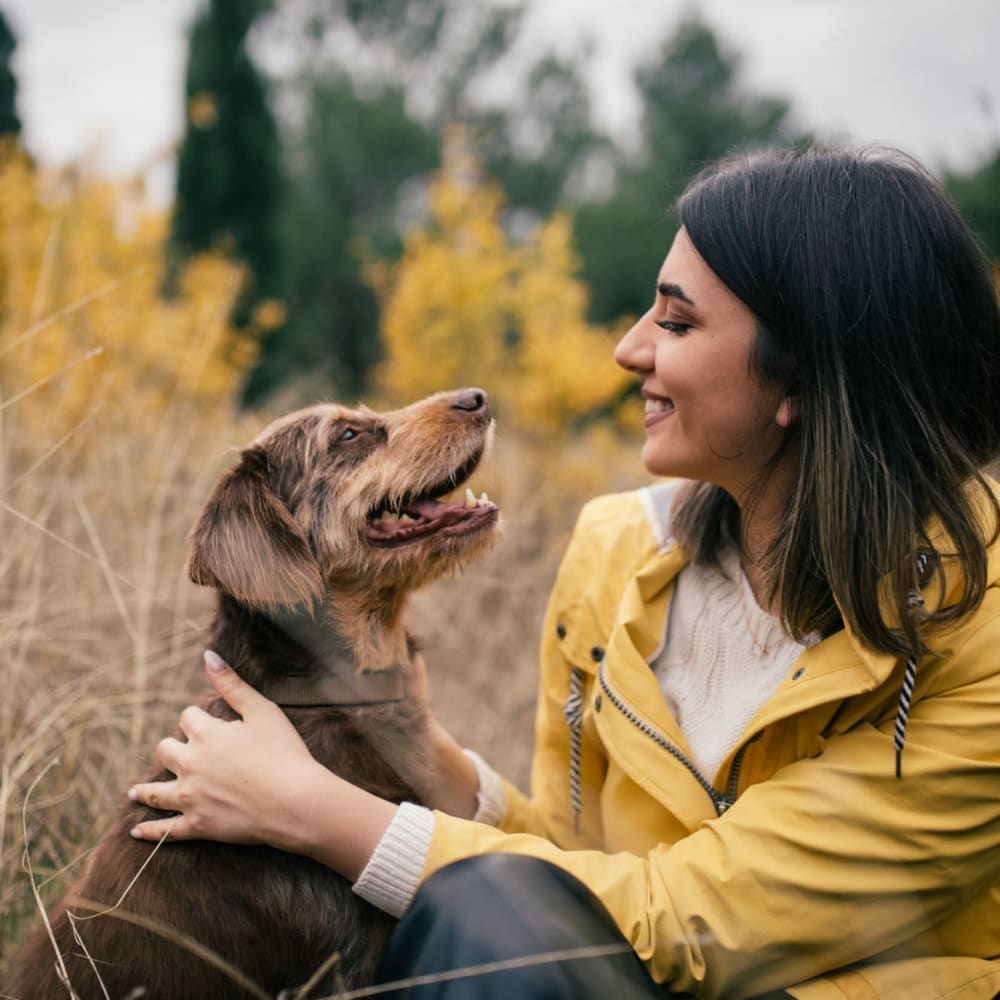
(803,793)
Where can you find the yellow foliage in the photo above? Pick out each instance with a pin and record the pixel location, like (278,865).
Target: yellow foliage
(82,318)
(465,306)
(203,112)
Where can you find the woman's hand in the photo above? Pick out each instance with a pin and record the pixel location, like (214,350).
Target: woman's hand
(252,781)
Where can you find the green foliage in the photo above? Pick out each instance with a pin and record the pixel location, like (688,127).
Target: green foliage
(10,122)
(352,159)
(228,173)
(380,82)
(693,111)
(539,145)
(977,195)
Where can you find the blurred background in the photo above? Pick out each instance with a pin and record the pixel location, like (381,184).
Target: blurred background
(212,211)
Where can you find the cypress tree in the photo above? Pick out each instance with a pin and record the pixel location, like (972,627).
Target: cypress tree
(228,168)
(10,122)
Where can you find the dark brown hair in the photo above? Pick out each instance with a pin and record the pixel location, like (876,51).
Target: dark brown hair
(875,307)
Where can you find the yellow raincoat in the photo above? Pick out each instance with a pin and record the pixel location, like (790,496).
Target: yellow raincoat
(806,861)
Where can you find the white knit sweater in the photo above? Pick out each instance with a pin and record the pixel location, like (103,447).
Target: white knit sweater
(722,658)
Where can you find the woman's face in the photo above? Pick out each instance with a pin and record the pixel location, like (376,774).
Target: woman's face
(708,417)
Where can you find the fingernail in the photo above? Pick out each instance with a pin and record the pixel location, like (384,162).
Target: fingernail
(135,832)
(133,795)
(214,662)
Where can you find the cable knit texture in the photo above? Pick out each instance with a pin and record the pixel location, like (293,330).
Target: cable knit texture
(491,803)
(724,656)
(390,878)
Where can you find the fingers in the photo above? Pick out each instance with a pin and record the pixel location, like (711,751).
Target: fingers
(230,687)
(171,828)
(193,721)
(170,753)
(159,829)
(162,795)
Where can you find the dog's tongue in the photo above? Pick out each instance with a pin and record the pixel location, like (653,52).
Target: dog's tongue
(439,512)
(435,510)
(419,518)
(428,508)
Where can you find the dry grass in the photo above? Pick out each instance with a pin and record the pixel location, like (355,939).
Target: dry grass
(100,631)
(98,636)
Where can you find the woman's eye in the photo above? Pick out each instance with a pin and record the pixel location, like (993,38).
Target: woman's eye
(349,434)
(666,324)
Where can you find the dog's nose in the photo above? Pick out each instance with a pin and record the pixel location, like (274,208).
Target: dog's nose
(470,400)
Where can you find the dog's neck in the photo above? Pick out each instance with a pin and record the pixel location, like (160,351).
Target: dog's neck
(298,659)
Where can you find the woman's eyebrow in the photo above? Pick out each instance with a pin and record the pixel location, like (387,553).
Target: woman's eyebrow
(669,291)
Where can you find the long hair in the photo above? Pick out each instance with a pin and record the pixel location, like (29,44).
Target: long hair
(876,309)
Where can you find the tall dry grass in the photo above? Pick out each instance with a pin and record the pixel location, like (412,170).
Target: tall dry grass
(116,414)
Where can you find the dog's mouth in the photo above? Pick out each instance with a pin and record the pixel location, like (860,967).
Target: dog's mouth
(435,512)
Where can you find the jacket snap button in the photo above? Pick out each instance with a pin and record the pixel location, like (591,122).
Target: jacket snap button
(597,703)
(798,673)
(597,654)
(561,630)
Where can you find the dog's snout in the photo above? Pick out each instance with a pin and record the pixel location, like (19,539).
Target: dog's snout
(471,401)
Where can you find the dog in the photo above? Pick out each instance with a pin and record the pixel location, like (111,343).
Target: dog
(314,541)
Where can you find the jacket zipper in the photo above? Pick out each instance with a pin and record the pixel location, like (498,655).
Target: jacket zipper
(719,801)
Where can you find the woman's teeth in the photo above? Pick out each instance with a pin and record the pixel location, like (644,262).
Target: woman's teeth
(659,405)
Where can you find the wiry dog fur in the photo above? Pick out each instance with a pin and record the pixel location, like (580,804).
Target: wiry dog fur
(308,566)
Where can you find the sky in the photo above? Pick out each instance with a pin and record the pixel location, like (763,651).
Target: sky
(102,79)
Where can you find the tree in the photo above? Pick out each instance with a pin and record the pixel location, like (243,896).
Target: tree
(466,305)
(693,111)
(977,195)
(365,118)
(228,167)
(435,51)
(10,122)
(348,166)
(540,145)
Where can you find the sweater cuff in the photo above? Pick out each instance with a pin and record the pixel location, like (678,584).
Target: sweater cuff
(390,878)
(491,800)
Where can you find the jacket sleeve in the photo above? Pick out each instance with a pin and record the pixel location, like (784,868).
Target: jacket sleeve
(828,862)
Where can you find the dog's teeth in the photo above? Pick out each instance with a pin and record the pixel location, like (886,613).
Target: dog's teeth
(483,501)
(387,517)
(470,498)
(406,517)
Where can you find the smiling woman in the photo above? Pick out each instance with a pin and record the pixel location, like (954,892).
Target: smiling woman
(709,415)
(767,753)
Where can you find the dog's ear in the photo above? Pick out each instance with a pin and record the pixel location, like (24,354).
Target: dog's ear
(247,544)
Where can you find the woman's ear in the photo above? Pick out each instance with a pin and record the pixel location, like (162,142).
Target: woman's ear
(789,412)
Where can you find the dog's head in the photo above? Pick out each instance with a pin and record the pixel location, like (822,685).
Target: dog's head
(332,498)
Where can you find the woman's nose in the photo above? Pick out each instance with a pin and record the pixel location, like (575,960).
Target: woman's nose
(634,351)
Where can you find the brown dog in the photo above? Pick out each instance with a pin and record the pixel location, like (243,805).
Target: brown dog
(331,518)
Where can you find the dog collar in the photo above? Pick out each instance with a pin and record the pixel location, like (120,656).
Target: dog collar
(335,689)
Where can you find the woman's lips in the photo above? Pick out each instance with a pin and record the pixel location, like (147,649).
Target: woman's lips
(657,408)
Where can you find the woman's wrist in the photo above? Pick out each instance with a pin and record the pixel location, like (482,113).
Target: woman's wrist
(333,822)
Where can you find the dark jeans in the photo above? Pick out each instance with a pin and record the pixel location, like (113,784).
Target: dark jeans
(526,919)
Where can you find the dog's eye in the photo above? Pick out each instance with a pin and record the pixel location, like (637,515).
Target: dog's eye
(349,434)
